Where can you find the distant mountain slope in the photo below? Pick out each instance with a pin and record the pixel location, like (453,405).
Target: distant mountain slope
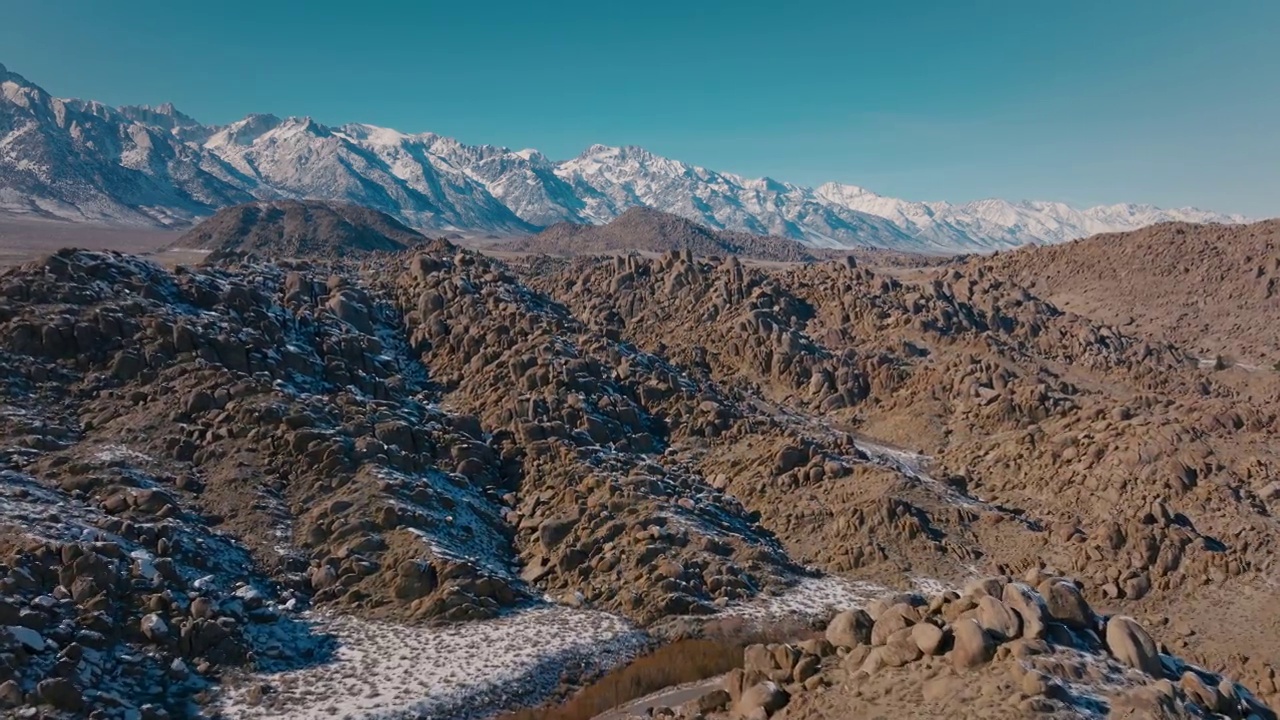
(292,228)
(85,161)
(1214,289)
(648,230)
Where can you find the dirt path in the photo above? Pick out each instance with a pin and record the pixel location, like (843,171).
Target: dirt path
(668,697)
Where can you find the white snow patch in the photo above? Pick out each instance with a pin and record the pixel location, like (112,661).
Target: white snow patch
(120,453)
(811,597)
(389,671)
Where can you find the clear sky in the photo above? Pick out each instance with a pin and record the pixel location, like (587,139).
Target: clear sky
(1173,102)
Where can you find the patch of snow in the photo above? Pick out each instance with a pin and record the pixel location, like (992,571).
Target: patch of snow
(473,670)
(119,453)
(811,597)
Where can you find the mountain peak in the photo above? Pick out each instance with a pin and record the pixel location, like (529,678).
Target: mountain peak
(433,181)
(164,115)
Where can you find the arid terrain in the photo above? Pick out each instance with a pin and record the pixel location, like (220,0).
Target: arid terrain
(328,468)
(1214,290)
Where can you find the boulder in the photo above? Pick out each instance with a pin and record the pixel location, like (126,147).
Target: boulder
(850,628)
(60,693)
(972,646)
(1065,604)
(928,637)
(891,621)
(1000,622)
(712,701)
(993,586)
(1204,694)
(761,701)
(11,695)
(900,649)
(1029,606)
(1131,645)
(154,627)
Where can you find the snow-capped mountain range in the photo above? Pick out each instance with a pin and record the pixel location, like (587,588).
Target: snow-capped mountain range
(85,161)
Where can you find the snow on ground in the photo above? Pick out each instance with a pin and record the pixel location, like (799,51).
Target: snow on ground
(120,454)
(815,597)
(811,597)
(475,669)
(385,671)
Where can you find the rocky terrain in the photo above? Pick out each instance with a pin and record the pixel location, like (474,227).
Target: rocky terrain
(1212,290)
(1005,648)
(224,481)
(646,230)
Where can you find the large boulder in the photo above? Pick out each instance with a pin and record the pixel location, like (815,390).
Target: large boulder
(1029,606)
(1002,623)
(972,647)
(760,701)
(929,638)
(1065,604)
(60,693)
(891,621)
(1131,645)
(850,628)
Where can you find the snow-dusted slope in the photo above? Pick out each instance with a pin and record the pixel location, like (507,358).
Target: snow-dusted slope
(609,180)
(995,224)
(82,160)
(86,161)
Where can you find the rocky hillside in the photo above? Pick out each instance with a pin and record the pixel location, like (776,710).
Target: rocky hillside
(248,487)
(651,231)
(1005,648)
(1214,289)
(296,229)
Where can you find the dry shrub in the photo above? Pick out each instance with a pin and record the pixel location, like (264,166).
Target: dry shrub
(683,661)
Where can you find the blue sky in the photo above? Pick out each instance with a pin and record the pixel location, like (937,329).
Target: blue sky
(1173,102)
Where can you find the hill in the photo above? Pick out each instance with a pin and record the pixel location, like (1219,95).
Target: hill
(1214,289)
(299,228)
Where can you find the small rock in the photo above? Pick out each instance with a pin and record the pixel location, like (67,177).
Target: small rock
(154,627)
(60,693)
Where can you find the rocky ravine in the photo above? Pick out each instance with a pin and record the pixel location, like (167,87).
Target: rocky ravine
(198,465)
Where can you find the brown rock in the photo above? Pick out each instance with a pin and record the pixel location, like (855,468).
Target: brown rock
(891,621)
(972,645)
(1065,604)
(60,693)
(761,701)
(849,628)
(1131,645)
(928,637)
(1029,606)
(1000,622)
